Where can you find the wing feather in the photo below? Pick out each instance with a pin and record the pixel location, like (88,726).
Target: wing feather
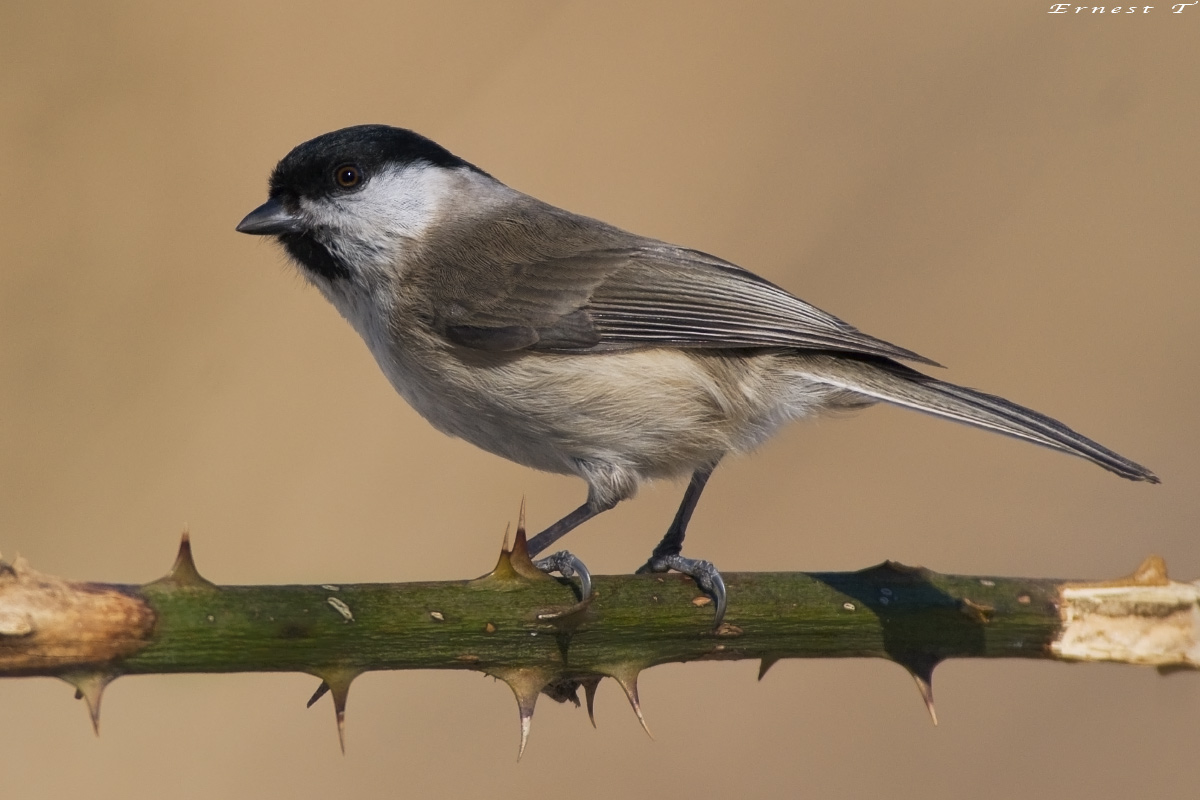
(600,289)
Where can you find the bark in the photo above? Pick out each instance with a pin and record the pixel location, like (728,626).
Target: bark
(528,629)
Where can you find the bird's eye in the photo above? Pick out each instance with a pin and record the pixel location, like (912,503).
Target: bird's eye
(348,176)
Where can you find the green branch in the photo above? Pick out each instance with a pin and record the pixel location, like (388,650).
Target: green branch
(519,625)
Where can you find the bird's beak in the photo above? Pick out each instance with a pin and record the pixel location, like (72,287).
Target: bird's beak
(270,219)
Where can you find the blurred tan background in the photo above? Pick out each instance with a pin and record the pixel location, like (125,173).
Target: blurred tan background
(1011,193)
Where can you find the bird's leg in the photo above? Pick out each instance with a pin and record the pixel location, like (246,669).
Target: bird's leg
(666,555)
(672,542)
(563,562)
(564,526)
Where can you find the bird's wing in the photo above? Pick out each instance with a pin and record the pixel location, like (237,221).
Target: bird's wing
(684,298)
(641,293)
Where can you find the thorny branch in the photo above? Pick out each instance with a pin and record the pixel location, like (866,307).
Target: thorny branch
(519,625)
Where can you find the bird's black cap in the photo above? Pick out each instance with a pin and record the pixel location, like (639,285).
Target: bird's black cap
(307,169)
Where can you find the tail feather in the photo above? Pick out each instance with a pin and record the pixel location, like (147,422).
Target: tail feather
(895,383)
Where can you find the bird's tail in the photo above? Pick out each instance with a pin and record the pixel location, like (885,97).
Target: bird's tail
(895,383)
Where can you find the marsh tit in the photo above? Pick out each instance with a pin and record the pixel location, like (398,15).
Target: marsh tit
(568,345)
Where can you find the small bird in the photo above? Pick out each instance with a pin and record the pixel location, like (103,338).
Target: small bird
(571,346)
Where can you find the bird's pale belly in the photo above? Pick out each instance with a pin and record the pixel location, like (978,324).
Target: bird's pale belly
(656,413)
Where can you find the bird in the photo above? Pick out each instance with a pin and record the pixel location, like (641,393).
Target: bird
(572,346)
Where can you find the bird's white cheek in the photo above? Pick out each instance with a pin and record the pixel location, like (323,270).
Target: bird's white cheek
(375,227)
(401,202)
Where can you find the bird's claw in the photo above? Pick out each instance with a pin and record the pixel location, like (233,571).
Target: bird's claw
(706,576)
(568,565)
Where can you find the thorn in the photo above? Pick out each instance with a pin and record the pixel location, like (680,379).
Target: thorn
(185,563)
(526,684)
(318,694)
(921,668)
(1151,572)
(339,708)
(895,571)
(337,682)
(766,663)
(589,692)
(925,687)
(183,574)
(976,612)
(526,722)
(626,678)
(514,563)
(90,686)
(522,563)
(520,548)
(503,571)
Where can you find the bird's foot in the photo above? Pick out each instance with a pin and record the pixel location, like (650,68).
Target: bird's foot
(702,572)
(569,566)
